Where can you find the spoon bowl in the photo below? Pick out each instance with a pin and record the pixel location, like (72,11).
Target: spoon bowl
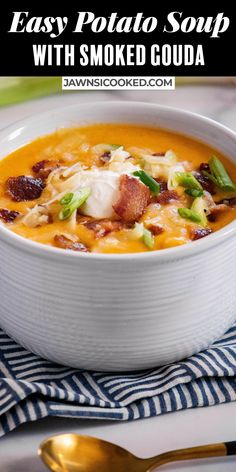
(73,453)
(76,453)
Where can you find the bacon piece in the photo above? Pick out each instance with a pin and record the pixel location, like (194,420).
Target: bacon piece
(24,188)
(159,154)
(198,233)
(204,166)
(43,168)
(163,185)
(166,197)
(156,229)
(8,216)
(133,200)
(206,183)
(65,243)
(103,227)
(229,201)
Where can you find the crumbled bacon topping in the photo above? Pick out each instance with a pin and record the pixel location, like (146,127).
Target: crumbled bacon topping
(229,201)
(24,188)
(198,233)
(204,166)
(166,197)
(65,243)
(8,216)
(133,200)
(159,154)
(163,185)
(206,183)
(103,227)
(156,229)
(43,168)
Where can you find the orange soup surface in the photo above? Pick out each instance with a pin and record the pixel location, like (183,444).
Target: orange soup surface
(116,189)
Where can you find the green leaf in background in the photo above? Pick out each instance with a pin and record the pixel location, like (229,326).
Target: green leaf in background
(19,89)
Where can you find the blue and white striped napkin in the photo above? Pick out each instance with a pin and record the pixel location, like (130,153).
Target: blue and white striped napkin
(32,388)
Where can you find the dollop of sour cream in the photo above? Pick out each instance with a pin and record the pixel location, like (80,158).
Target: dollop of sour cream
(104,185)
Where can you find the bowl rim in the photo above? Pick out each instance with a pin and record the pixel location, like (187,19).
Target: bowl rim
(177,252)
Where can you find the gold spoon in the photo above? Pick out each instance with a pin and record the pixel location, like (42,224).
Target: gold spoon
(75,453)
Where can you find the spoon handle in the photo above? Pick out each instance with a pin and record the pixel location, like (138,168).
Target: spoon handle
(230,448)
(199,452)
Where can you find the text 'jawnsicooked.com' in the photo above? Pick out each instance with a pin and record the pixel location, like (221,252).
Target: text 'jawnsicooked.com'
(118,83)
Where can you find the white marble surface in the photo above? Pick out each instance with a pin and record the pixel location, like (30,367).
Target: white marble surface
(18,450)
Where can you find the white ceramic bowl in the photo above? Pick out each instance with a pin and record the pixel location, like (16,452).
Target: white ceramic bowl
(118,312)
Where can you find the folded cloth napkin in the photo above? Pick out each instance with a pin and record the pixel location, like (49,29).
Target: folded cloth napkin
(32,388)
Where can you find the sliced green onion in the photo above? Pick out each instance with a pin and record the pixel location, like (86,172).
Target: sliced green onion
(137,231)
(189,215)
(148,238)
(140,232)
(65,214)
(148,181)
(210,177)
(194,192)
(75,202)
(67,199)
(220,175)
(200,207)
(115,146)
(187,180)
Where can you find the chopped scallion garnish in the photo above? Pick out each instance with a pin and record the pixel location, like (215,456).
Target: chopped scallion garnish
(140,232)
(189,214)
(197,212)
(219,175)
(148,181)
(200,207)
(148,238)
(137,231)
(210,177)
(72,201)
(194,192)
(67,199)
(187,180)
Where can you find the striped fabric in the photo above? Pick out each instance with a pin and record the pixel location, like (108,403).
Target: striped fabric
(33,388)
